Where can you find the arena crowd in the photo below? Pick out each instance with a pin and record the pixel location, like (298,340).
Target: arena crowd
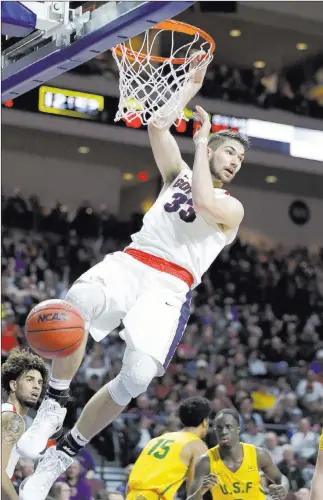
(254,341)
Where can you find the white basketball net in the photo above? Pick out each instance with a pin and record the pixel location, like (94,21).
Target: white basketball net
(153,91)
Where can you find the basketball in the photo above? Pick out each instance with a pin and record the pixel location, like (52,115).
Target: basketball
(54,329)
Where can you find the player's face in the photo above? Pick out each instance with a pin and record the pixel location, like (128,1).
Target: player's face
(28,387)
(226,430)
(226,160)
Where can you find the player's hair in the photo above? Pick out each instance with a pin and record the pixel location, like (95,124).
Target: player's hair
(228,411)
(19,362)
(215,140)
(193,411)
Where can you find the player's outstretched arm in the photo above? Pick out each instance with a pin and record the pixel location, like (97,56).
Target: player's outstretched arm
(165,149)
(12,427)
(227,211)
(203,480)
(317,482)
(280,487)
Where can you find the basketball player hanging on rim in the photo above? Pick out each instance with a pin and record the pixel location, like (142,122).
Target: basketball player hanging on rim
(147,286)
(23,376)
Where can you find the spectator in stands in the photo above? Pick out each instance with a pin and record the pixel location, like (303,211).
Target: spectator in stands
(80,489)
(310,391)
(11,333)
(307,467)
(137,436)
(305,441)
(123,486)
(60,491)
(289,467)
(271,444)
(87,462)
(143,407)
(252,434)
(27,468)
(289,401)
(221,396)
(246,412)
(317,365)
(257,367)
(262,399)
(96,363)
(277,415)
(17,476)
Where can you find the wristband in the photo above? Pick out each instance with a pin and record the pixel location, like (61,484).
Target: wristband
(202,140)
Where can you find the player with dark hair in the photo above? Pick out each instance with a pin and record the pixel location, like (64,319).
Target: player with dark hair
(232,469)
(168,460)
(23,376)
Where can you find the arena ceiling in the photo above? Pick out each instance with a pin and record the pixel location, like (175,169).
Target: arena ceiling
(53,145)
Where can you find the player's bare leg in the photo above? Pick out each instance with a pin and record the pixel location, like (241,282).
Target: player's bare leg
(106,411)
(65,368)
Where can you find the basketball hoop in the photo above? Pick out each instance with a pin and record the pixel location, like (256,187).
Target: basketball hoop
(148,82)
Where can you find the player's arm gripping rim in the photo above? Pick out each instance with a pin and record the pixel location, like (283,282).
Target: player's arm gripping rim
(228,211)
(12,427)
(279,490)
(165,149)
(203,479)
(317,482)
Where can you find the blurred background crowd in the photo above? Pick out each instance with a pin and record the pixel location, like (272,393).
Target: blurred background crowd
(254,341)
(294,88)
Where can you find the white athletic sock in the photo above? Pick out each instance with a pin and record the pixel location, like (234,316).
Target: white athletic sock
(59,385)
(77,436)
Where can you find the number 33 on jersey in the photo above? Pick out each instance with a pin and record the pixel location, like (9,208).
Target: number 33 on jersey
(173,231)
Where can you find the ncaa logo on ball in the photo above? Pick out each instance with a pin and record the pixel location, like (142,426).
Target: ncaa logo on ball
(52,317)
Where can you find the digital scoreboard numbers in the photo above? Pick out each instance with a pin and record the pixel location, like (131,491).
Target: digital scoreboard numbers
(71,103)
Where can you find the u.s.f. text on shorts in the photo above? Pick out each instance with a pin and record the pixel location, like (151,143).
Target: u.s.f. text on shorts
(154,306)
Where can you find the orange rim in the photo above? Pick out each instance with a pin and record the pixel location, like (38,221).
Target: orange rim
(169,25)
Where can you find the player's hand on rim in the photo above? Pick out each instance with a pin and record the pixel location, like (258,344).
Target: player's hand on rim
(197,77)
(208,482)
(203,130)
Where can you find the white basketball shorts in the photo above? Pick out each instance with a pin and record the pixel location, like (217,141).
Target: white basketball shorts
(153,305)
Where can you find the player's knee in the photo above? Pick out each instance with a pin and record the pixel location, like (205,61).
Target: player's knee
(138,378)
(88,298)
(133,379)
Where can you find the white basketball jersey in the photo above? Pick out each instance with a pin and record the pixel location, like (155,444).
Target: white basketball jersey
(14,457)
(173,231)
